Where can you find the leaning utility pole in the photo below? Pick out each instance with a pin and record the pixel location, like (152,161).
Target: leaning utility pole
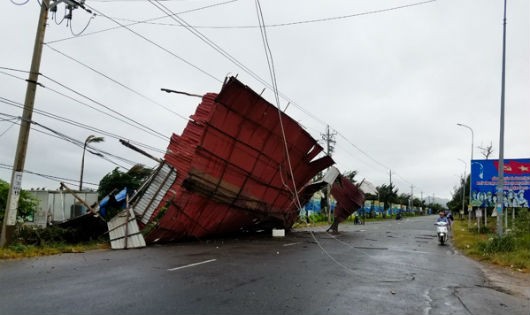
(10,216)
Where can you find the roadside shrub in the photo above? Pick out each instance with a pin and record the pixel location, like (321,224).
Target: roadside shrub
(28,235)
(523,241)
(522,223)
(482,230)
(498,244)
(318,217)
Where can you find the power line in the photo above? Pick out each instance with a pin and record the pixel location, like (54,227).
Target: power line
(326,19)
(81,145)
(159,46)
(206,40)
(272,72)
(80,125)
(13,69)
(363,152)
(76,123)
(173,15)
(50,177)
(136,123)
(62,136)
(138,22)
(117,82)
(127,120)
(138,0)
(234,60)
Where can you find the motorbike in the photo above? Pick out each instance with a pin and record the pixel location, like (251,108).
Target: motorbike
(441,232)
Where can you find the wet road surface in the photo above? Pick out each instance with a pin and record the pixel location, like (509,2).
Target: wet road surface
(389,267)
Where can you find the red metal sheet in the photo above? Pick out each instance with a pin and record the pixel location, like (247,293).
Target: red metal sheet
(349,198)
(232,168)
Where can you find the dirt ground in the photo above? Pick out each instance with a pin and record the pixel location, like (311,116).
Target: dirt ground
(516,282)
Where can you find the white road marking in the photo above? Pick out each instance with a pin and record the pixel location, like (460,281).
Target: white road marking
(192,265)
(290,244)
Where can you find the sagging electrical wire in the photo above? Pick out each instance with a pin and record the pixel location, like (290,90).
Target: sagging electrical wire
(50,177)
(161,47)
(126,120)
(53,133)
(80,144)
(140,22)
(116,82)
(76,34)
(81,125)
(12,121)
(272,72)
(206,40)
(277,25)
(19,3)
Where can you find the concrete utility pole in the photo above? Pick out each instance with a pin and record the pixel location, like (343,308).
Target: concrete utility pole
(500,182)
(10,216)
(411,197)
(329,138)
(463,182)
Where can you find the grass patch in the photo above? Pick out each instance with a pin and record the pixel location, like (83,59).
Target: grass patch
(511,250)
(32,242)
(18,250)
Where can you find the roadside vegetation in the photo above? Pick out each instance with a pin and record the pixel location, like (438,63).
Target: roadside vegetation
(512,250)
(320,219)
(32,242)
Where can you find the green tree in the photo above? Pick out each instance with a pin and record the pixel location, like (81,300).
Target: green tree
(132,179)
(455,205)
(403,199)
(26,204)
(387,194)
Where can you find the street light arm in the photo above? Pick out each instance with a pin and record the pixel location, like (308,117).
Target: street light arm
(472,136)
(470,168)
(180,92)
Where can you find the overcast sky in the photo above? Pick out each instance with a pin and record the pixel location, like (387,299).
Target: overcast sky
(392,78)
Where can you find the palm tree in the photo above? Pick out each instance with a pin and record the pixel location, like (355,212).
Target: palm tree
(89,139)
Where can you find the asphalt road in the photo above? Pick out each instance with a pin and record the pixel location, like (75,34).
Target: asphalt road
(391,267)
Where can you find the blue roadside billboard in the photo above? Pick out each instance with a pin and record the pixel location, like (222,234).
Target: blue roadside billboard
(484,178)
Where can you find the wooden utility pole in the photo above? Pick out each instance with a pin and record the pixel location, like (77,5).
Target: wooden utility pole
(10,216)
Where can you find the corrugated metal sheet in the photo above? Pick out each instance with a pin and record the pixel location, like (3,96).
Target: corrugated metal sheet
(232,168)
(124,231)
(349,198)
(162,180)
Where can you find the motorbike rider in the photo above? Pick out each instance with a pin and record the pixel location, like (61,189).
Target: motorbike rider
(442,218)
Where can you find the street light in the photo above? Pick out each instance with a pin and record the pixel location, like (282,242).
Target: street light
(89,139)
(464,185)
(470,169)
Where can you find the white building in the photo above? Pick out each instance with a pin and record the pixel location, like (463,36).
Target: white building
(59,206)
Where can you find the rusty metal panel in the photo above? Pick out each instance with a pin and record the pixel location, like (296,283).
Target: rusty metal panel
(232,168)
(349,198)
